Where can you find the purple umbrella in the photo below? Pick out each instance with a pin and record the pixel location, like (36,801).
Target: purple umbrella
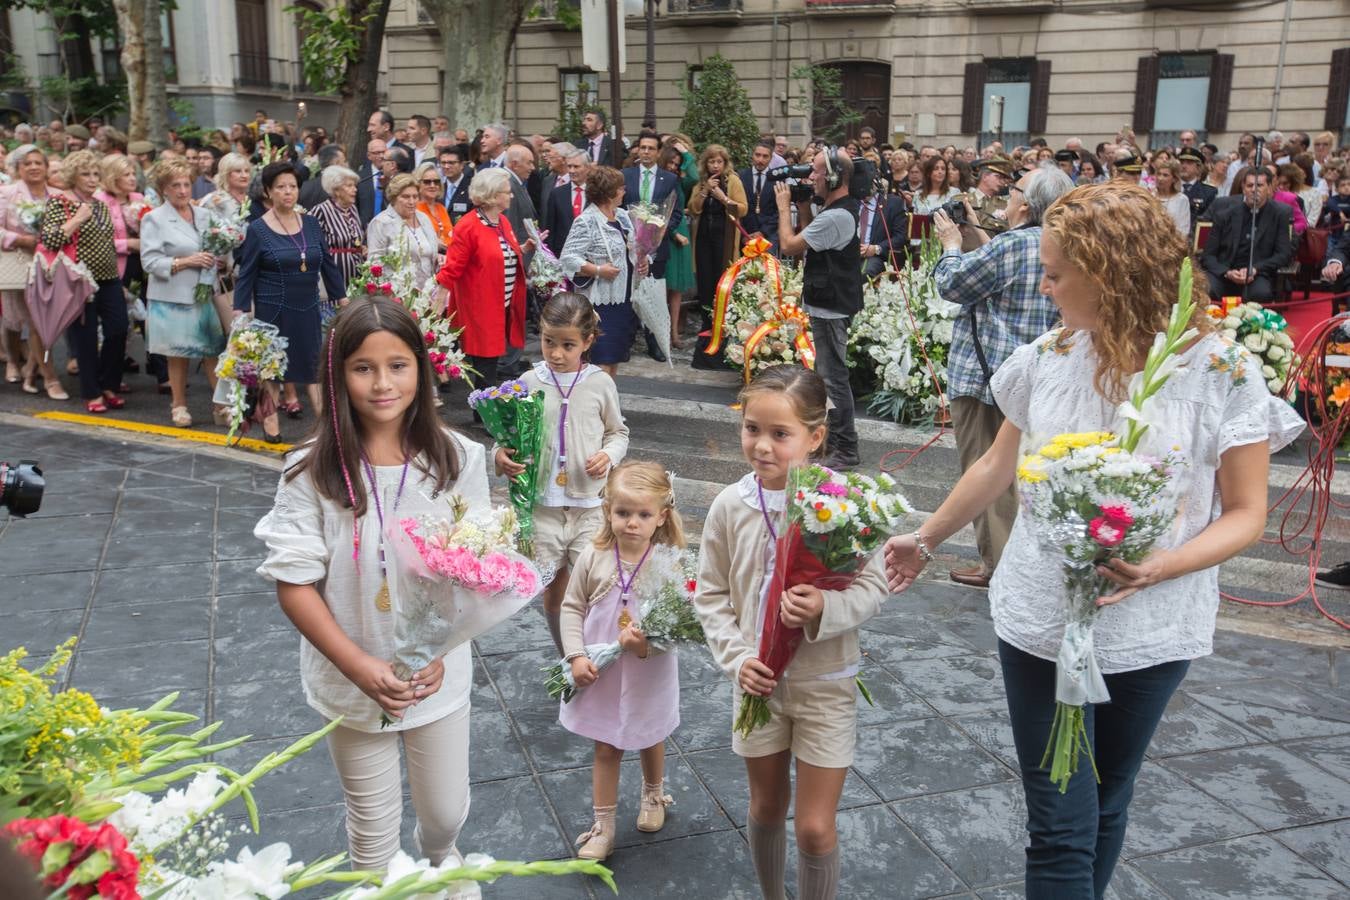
(58,288)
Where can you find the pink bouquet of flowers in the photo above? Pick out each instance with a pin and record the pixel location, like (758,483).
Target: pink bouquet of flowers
(457,575)
(650,221)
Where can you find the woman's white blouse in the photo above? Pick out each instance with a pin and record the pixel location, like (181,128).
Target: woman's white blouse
(1178,206)
(309,541)
(388,232)
(930,203)
(1216,401)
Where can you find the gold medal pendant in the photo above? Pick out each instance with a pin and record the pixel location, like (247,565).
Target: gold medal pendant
(561,480)
(382,602)
(624,619)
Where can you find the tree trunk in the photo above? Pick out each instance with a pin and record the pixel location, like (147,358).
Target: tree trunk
(360,88)
(476,39)
(143,62)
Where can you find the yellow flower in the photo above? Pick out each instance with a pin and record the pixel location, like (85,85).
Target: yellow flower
(1031,469)
(823,514)
(1054,451)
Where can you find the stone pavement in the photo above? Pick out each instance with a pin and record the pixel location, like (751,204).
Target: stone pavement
(145,551)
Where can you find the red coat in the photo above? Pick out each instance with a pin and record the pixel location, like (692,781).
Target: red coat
(475,275)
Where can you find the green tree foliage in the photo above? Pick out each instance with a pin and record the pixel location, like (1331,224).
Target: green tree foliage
(820,94)
(718,111)
(574,107)
(332,43)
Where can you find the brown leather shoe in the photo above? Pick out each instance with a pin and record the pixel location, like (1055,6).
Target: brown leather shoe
(975,577)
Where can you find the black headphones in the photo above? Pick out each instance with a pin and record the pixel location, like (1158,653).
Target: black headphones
(832,175)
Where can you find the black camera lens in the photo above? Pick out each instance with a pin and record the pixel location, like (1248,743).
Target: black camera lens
(21,486)
(956,211)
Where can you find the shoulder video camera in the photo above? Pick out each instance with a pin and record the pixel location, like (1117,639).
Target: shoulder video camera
(802,191)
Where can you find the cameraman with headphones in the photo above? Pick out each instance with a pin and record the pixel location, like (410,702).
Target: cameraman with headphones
(832,284)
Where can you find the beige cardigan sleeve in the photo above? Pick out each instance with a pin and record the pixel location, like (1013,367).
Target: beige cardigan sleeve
(712,599)
(615,445)
(848,609)
(575,603)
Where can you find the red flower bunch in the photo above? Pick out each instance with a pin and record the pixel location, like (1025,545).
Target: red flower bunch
(376,269)
(87,861)
(1110,528)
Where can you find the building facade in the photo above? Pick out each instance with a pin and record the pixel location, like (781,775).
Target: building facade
(227,58)
(927,70)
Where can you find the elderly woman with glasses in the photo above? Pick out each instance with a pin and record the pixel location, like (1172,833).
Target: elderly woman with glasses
(401,231)
(431,202)
(340,221)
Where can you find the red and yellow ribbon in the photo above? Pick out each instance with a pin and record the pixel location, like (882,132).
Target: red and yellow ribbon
(756,248)
(787,314)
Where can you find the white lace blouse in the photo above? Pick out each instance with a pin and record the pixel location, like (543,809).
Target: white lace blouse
(1216,401)
(309,541)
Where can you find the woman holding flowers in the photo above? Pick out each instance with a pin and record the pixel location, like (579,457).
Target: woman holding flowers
(182,323)
(1213,411)
(21,205)
(401,231)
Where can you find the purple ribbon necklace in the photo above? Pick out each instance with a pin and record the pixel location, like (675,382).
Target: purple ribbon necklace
(764,511)
(301,245)
(561,480)
(382,601)
(626,587)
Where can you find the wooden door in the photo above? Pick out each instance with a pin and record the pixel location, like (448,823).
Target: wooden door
(251,16)
(866,88)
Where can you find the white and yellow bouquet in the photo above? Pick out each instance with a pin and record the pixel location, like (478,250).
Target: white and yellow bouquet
(255,353)
(1093,497)
(766,324)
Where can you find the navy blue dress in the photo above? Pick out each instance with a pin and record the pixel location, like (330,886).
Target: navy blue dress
(271,284)
(618,322)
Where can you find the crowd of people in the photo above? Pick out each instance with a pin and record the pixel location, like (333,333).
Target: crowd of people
(1252,222)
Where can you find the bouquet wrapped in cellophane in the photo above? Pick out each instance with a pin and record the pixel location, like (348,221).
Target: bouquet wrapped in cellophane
(515,419)
(833,523)
(1092,497)
(666,617)
(221,238)
(458,576)
(254,353)
(546,272)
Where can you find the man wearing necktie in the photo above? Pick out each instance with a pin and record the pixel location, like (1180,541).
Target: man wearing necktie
(646,183)
(882,226)
(369,193)
(599,146)
(763,214)
(566,201)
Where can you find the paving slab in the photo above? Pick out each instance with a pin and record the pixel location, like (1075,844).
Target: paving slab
(1246,793)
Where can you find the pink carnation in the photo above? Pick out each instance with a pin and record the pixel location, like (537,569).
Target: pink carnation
(377,270)
(496,573)
(1118,515)
(524,577)
(831,489)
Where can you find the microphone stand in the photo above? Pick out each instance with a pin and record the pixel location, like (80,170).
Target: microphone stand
(1257,152)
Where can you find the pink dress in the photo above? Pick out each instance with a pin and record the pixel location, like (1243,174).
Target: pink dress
(635,703)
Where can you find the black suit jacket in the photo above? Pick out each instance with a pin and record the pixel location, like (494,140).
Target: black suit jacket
(1338,249)
(606,150)
(457,204)
(365,194)
(1202,196)
(890,232)
(312,193)
(763,213)
(560,216)
(521,209)
(1274,247)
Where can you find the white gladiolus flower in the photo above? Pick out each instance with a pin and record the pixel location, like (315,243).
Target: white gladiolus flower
(250,875)
(1255,343)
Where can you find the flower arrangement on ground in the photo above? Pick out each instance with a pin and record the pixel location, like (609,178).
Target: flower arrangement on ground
(1093,497)
(461,576)
(78,804)
(903,318)
(515,419)
(1263,332)
(765,323)
(254,353)
(667,616)
(833,524)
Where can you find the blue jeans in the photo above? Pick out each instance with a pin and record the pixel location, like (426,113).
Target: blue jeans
(1076,836)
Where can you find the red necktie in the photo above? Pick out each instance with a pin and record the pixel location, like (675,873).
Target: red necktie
(576,201)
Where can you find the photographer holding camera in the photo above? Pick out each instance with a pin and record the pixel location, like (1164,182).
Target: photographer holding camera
(832,283)
(998,287)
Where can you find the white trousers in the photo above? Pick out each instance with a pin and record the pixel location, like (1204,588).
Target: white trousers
(438,773)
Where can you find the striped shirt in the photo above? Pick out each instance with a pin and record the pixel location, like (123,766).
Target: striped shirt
(998,287)
(511,265)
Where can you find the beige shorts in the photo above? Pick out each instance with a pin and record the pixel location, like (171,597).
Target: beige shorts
(817,720)
(560,533)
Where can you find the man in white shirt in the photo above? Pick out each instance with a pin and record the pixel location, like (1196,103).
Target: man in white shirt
(419,139)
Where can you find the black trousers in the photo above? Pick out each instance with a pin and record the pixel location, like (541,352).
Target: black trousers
(1260,289)
(101,367)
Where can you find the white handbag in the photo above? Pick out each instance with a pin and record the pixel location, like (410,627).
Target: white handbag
(15,266)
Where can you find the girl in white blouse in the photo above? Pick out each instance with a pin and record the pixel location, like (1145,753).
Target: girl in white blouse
(1112,260)
(380,452)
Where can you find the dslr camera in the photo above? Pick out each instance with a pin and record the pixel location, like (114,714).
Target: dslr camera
(956,210)
(21,486)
